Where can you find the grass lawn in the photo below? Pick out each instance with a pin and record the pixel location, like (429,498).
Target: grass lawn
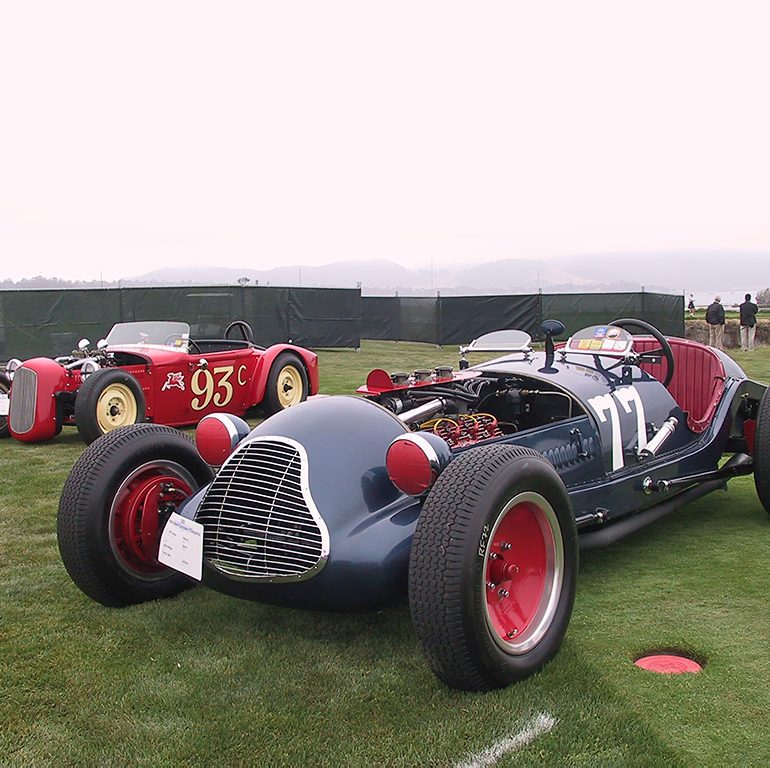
(204,679)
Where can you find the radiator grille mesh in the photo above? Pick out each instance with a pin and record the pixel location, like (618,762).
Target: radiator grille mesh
(23,401)
(257,518)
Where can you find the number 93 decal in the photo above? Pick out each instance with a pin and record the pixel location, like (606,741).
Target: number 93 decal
(214,387)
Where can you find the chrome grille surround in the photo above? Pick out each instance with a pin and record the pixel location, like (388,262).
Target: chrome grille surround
(21,417)
(259,519)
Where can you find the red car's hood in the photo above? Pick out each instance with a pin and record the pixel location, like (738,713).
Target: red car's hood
(153,353)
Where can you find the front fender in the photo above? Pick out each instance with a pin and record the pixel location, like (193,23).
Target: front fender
(33,407)
(334,448)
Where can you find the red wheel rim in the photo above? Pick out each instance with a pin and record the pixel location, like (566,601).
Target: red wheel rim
(523,573)
(144,499)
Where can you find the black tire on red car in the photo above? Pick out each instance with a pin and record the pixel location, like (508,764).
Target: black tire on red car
(286,383)
(108,399)
(762,452)
(493,568)
(114,505)
(5,388)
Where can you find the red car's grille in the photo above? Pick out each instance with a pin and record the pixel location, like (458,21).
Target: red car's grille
(259,520)
(21,417)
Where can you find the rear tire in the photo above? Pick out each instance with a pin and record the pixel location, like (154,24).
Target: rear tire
(286,383)
(493,568)
(5,388)
(114,504)
(108,399)
(762,452)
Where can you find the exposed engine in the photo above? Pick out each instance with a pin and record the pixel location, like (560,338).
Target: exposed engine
(89,360)
(469,410)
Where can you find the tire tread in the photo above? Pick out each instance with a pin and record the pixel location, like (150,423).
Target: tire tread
(437,563)
(762,452)
(75,515)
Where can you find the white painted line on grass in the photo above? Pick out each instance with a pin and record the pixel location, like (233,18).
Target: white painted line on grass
(537,726)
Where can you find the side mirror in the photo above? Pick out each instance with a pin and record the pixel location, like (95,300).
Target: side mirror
(101,344)
(83,345)
(203,364)
(551,328)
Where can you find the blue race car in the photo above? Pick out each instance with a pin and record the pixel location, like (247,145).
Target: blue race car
(472,490)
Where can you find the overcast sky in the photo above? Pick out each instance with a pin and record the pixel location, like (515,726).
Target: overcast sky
(147,134)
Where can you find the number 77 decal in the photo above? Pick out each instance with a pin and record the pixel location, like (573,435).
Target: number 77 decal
(629,399)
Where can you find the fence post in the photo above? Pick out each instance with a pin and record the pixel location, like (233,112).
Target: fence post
(398,319)
(540,317)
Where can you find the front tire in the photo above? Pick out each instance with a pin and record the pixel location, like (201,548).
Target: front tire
(762,452)
(5,388)
(286,383)
(114,505)
(108,399)
(493,568)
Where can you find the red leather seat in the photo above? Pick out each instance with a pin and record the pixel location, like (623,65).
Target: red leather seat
(699,378)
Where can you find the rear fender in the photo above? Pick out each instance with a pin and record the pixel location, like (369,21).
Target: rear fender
(262,370)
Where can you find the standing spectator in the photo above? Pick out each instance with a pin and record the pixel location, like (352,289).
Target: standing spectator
(748,323)
(715,317)
(691,306)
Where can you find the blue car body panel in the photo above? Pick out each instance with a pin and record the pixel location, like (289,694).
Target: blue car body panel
(598,412)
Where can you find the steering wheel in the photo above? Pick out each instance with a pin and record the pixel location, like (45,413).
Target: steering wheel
(243,327)
(176,340)
(664,348)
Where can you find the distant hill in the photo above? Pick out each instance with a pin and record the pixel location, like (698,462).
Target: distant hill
(702,273)
(669,272)
(383,277)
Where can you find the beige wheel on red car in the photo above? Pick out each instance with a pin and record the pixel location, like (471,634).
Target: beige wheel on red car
(286,383)
(108,399)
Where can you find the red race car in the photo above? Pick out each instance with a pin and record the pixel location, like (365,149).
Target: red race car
(153,371)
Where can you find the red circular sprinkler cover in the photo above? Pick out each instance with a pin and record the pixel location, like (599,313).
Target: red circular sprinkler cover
(668,664)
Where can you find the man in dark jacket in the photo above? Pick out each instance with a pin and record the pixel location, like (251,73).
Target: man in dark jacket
(748,323)
(715,317)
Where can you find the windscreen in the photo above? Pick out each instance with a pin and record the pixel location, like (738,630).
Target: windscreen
(153,333)
(501,341)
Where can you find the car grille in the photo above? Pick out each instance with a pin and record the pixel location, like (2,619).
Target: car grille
(259,520)
(23,401)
